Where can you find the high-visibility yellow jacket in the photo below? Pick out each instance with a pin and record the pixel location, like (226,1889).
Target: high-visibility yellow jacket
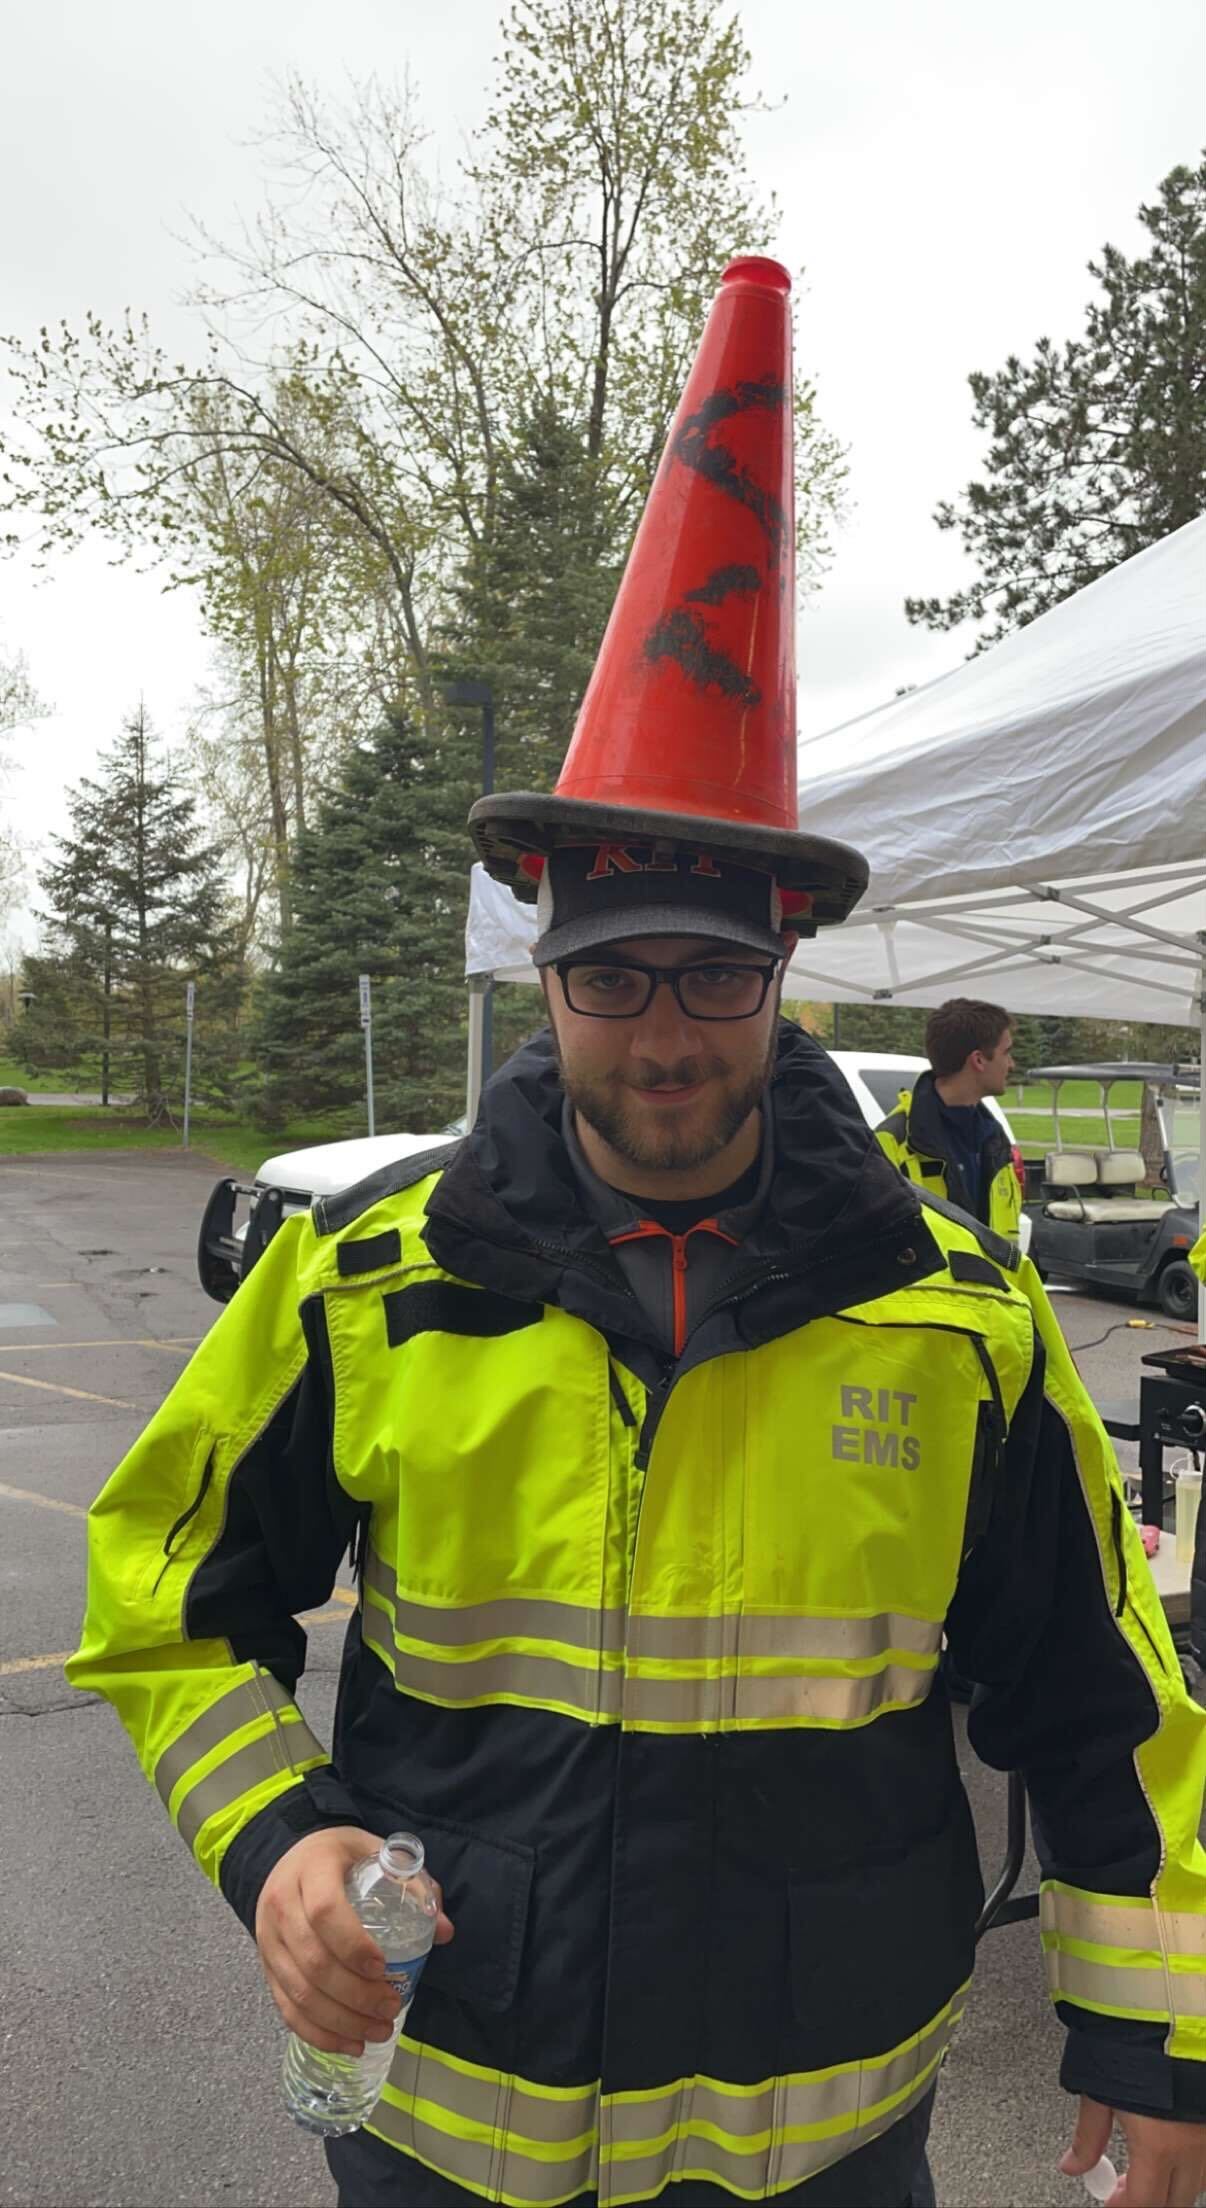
(646,1650)
(1197,1257)
(913,1140)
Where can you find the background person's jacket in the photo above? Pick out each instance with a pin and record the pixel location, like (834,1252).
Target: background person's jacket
(646,1651)
(914,1140)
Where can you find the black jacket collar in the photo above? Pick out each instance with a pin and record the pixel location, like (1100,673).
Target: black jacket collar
(927,1136)
(839,1224)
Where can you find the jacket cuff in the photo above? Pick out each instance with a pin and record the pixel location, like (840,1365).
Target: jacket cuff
(1129,2074)
(318,1803)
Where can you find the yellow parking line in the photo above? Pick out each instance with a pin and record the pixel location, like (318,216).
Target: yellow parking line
(48,1502)
(35,1663)
(53,1387)
(115,1341)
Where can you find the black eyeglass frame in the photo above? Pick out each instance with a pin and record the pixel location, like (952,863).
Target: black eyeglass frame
(671,976)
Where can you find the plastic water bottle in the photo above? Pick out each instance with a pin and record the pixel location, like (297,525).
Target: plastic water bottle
(396,1902)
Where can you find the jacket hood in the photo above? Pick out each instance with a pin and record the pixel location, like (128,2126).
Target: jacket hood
(508,1209)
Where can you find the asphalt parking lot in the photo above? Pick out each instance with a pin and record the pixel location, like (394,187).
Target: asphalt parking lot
(140,2048)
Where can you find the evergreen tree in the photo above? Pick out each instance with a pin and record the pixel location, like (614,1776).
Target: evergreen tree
(380,888)
(535,596)
(136,911)
(1099,447)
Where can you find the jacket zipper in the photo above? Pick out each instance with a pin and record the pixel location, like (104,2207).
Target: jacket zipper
(655,1404)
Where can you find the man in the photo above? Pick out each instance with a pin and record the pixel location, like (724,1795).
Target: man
(942,1133)
(671,1433)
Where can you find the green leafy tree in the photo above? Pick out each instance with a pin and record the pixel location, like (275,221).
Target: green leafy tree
(1098,447)
(19,703)
(136,908)
(379,889)
(576,260)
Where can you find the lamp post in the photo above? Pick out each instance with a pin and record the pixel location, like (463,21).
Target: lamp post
(469,691)
(105,920)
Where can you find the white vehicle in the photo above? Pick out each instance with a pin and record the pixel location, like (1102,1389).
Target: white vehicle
(286,1184)
(291,1181)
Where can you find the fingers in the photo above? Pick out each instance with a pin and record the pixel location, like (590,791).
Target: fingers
(330,2006)
(1166,2162)
(1094,2124)
(444,1925)
(325,1972)
(333,1922)
(1146,2183)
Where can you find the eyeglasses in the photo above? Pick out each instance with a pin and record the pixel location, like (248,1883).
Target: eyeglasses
(623,989)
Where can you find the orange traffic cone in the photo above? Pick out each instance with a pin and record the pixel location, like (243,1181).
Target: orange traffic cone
(685,744)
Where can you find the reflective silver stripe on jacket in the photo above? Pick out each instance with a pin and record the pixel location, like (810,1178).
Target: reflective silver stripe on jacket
(1124,1924)
(239,1706)
(286,1746)
(494,2133)
(514,2141)
(687,1673)
(1142,1988)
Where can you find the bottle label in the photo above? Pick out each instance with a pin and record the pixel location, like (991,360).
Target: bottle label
(405,1975)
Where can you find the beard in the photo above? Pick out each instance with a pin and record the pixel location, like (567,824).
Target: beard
(643,1137)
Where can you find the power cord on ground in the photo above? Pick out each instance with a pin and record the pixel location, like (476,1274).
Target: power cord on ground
(1153,1326)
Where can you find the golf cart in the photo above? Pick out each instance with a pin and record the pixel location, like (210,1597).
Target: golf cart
(1124,1217)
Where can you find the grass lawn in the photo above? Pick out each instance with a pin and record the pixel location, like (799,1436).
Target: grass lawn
(1125,1096)
(14,1076)
(1035,1131)
(27,1130)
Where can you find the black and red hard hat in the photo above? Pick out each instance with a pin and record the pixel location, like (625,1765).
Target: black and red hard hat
(676,812)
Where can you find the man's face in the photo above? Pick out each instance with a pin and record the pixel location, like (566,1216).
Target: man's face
(995,1067)
(662,1090)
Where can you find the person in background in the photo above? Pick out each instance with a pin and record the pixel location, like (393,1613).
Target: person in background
(942,1134)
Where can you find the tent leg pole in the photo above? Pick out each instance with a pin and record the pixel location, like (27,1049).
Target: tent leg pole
(478,986)
(1202,1126)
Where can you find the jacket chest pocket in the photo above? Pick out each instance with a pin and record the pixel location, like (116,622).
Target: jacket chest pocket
(492,1462)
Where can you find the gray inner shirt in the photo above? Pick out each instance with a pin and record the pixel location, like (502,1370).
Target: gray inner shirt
(648,1260)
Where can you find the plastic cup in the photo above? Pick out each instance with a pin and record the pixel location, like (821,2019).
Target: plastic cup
(1099,2182)
(1189,1497)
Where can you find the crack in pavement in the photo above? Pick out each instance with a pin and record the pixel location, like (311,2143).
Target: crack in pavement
(54,1709)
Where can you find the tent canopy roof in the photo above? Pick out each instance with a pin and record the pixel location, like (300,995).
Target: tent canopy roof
(1035,820)
(1076,746)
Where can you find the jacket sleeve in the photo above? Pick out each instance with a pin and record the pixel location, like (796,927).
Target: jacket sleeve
(1081,1689)
(892,1137)
(222,1523)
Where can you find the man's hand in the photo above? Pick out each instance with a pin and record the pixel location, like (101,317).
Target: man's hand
(325,1972)
(1166,2162)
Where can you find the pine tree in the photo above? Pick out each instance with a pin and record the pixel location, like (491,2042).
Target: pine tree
(380,887)
(1098,447)
(535,597)
(137,909)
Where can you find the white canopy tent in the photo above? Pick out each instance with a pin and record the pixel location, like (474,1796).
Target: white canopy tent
(1035,820)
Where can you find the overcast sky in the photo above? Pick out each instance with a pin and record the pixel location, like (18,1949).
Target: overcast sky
(944,170)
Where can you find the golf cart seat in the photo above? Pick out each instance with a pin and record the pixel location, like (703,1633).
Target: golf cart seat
(1109,1169)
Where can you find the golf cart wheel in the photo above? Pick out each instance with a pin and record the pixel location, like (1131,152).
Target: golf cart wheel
(1177,1289)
